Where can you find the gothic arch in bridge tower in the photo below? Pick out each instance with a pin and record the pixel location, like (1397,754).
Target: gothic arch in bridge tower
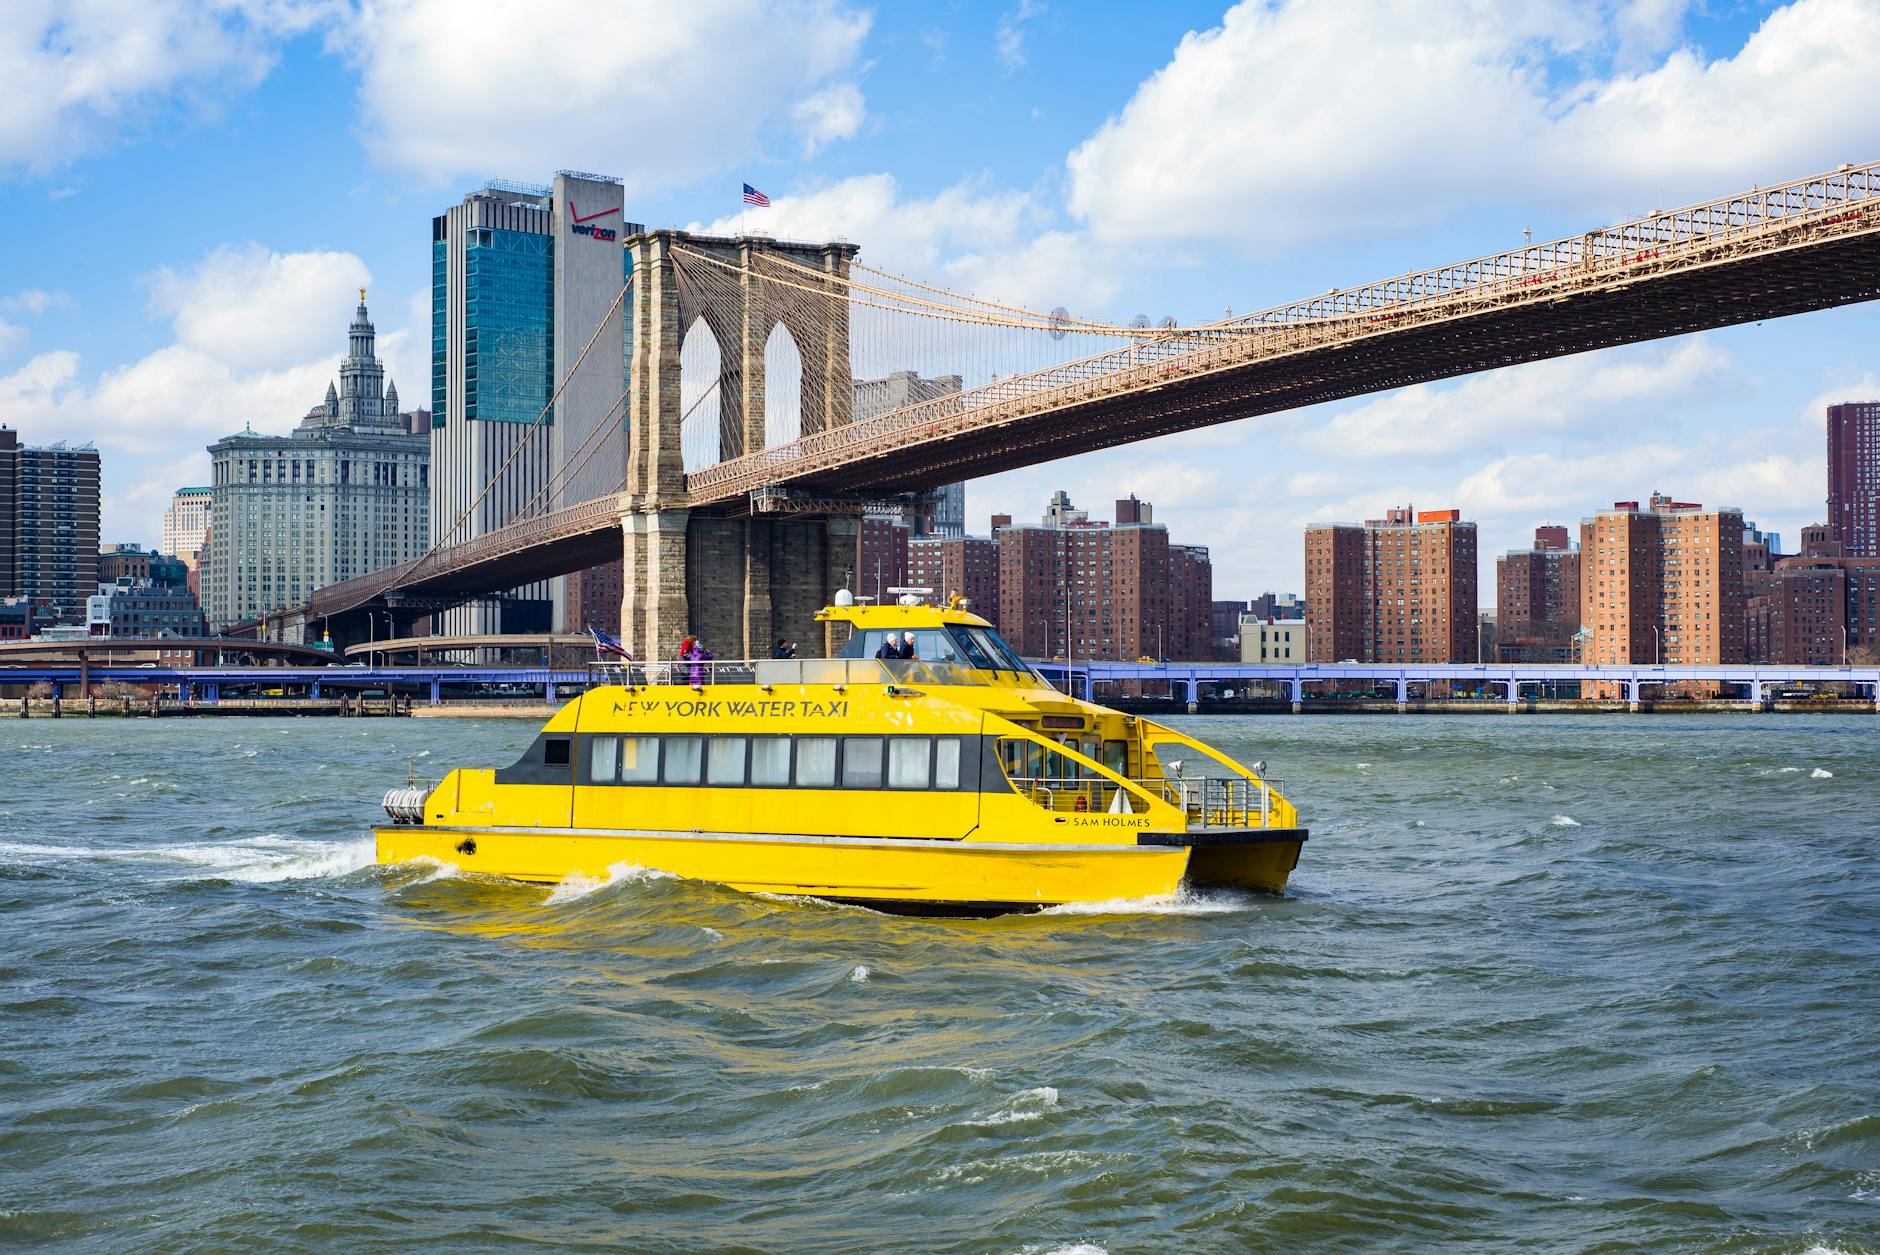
(785,399)
(702,384)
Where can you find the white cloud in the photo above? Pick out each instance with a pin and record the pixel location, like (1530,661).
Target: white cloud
(257,335)
(79,74)
(11,336)
(989,243)
(36,301)
(1579,398)
(256,309)
(834,113)
(1008,37)
(659,93)
(1646,28)
(1436,104)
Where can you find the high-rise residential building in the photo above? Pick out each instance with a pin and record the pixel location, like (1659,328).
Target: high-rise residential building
(186,524)
(522,278)
(1819,608)
(345,494)
(1398,589)
(51,527)
(967,565)
(9,486)
(1662,584)
(1101,591)
(880,557)
(1537,599)
(1854,477)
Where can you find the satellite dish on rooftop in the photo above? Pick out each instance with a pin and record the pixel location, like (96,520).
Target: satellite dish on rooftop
(1060,322)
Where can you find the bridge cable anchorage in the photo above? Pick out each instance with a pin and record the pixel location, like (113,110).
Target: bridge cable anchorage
(1239,362)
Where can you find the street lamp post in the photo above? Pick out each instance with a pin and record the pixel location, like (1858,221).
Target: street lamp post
(1657,648)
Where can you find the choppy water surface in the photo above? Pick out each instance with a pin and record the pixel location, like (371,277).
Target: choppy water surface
(1578,983)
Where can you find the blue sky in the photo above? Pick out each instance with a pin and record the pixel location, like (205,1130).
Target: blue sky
(191,191)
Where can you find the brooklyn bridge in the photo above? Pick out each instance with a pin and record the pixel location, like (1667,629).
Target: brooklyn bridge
(738,527)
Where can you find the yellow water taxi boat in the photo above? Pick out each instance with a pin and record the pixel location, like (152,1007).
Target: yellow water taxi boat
(955,781)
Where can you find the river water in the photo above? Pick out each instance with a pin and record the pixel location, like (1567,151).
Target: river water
(1578,983)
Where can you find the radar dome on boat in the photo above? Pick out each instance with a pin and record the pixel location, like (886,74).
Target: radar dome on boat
(844,597)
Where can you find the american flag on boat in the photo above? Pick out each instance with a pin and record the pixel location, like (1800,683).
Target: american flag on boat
(754,197)
(606,644)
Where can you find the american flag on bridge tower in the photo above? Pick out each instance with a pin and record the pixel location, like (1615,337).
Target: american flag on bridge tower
(754,197)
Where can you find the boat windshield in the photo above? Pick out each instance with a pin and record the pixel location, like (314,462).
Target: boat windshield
(962,645)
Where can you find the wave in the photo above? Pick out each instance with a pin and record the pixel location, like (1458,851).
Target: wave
(1184,901)
(266,859)
(1564,821)
(577,885)
(1074,1248)
(860,974)
(1022,1107)
(1821,773)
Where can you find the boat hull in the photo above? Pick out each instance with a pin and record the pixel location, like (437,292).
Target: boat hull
(906,874)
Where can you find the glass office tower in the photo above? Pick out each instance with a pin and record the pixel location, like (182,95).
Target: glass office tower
(521,275)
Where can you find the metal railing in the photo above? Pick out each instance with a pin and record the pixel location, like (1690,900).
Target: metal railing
(1206,801)
(837,672)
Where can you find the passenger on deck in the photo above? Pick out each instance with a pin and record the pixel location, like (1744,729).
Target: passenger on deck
(694,652)
(784,649)
(890,649)
(907,646)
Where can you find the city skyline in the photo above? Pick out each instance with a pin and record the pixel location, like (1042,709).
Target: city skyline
(158,341)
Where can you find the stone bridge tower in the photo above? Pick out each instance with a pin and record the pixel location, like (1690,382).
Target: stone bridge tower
(736,580)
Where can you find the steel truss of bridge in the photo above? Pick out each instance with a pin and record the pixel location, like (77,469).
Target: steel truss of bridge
(1805,245)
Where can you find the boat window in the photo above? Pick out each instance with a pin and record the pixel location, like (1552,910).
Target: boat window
(861,762)
(724,761)
(930,644)
(1052,780)
(770,760)
(946,763)
(557,752)
(603,759)
(975,652)
(1115,756)
(682,759)
(639,760)
(816,762)
(909,760)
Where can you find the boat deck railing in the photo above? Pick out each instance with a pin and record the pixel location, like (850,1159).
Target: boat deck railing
(1207,801)
(702,672)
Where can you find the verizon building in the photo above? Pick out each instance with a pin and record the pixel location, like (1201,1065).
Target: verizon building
(521,277)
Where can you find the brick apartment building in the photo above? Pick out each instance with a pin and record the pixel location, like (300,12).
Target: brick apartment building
(1398,589)
(1820,608)
(967,565)
(1537,599)
(1663,583)
(1854,478)
(1100,590)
